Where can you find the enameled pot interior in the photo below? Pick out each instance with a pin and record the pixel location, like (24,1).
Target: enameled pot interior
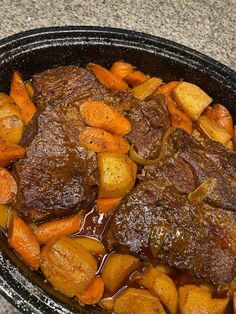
(37,50)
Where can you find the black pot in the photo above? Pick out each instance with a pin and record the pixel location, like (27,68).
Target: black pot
(40,49)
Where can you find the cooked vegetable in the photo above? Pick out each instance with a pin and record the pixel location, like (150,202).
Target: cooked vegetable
(161,285)
(93,293)
(135,78)
(108,304)
(24,242)
(179,119)
(105,205)
(117,268)
(58,228)
(213,130)
(192,99)
(100,115)
(165,89)
(107,78)
(68,266)
(116,174)
(93,246)
(30,89)
(11,129)
(221,116)
(21,97)
(9,153)
(121,68)
(100,141)
(234,137)
(137,301)
(201,192)
(4,216)
(194,300)
(229,145)
(8,187)
(8,107)
(147,88)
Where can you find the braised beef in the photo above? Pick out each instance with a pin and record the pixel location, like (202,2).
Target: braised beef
(58,176)
(156,221)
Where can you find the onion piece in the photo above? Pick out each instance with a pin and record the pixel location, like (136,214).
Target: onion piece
(201,192)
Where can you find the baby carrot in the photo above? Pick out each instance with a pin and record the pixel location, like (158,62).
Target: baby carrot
(179,119)
(121,68)
(93,293)
(8,187)
(221,116)
(135,78)
(58,228)
(107,78)
(24,242)
(100,115)
(105,205)
(102,141)
(21,97)
(9,153)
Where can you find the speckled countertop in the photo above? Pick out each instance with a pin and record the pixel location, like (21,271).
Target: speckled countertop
(205,25)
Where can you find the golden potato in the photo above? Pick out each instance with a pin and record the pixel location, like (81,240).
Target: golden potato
(191,98)
(68,266)
(229,145)
(8,107)
(147,88)
(194,300)
(137,301)
(117,268)
(162,286)
(107,304)
(93,246)
(116,174)
(11,129)
(4,216)
(213,130)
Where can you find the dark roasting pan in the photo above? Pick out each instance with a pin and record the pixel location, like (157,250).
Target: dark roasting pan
(40,49)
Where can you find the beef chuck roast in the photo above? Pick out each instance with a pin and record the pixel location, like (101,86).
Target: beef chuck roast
(58,176)
(155,220)
(188,162)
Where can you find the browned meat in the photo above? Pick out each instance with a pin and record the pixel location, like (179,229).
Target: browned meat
(149,120)
(188,162)
(58,176)
(154,220)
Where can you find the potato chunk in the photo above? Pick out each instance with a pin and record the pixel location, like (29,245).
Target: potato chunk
(117,174)
(191,98)
(162,286)
(4,216)
(213,130)
(137,301)
(117,268)
(194,300)
(93,246)
(11,129)
(8,107)
(147,88)
(68,266)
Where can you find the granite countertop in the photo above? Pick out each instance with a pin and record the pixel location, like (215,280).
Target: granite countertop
(207,26)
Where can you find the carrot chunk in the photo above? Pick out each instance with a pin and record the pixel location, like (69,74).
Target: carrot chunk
(165,89)
(100,115)
(179,119)
(21,97)
(24,242)
(221,116)
(122,68)
(105,205)
(102,141)
(107,78)
(9,153)
(58,228)
(93,293)
(8,187)
(135,78)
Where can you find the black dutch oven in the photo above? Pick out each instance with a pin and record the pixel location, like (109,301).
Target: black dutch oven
(40,49)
